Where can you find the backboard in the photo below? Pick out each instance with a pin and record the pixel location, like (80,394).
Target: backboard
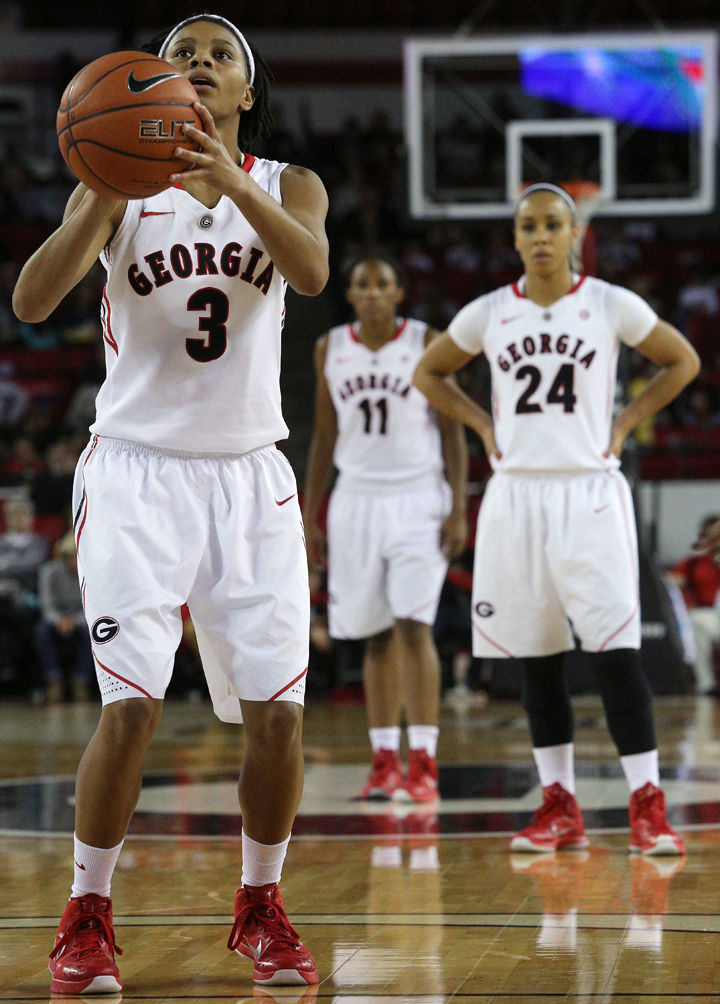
(634,113)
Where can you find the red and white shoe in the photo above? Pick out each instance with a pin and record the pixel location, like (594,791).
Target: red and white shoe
(650,832)
(421,783)
(385,776)
(263,933)
(83,959)
(556,825)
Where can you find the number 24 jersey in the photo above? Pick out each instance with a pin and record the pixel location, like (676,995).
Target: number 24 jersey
(553,370)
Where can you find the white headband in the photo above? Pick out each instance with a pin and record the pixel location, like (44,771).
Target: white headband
(217,19)
(546,186)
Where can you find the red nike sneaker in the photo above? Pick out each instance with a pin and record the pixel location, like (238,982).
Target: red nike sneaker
(421,783)
(263,933)
(650,832)
(83,959)
(557,824)
(385,776)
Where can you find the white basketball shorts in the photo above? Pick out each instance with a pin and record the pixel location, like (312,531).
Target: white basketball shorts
(157,529)
(385,561)
(555,555)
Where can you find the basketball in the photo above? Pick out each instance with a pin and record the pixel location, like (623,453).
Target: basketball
(120,120)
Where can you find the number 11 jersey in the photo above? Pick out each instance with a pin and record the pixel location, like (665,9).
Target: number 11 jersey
(387,432)
(553,370)
(192,315)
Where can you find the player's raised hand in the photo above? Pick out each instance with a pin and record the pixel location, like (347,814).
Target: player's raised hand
(210,164)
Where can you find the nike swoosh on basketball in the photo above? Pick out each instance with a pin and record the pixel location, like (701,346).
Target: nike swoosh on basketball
(283,501)
(143,214)
(136,86)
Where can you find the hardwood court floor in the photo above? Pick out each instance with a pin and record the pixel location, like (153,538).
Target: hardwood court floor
(421,906)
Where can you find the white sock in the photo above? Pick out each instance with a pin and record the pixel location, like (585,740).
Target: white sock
(385,739)
(94,867)
(386,856)
(640,768)
(262,863)
(423,737)
(556,764)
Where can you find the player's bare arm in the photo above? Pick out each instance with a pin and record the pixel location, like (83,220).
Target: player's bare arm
(679,365)
(320,458)
(454,449)
(441,359)
(89,222)
(293,233)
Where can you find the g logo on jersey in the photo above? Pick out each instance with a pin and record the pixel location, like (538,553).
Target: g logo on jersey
(484,609)
(104,630)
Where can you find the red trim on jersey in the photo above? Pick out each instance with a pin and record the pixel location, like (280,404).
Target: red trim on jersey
(107,327)
(121,678)
(573,289)
(493,643)
(292,682)
(400,328)
(80,528)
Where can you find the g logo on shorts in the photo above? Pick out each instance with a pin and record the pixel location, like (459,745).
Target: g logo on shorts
(104,630)
(484,609)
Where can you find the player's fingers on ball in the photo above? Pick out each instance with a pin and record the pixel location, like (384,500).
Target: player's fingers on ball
(206,118)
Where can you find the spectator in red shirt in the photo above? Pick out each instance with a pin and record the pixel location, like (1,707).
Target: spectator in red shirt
(699,579)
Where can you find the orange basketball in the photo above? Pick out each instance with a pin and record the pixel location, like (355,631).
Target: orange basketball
(119,121)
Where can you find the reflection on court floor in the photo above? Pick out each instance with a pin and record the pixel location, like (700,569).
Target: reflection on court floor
(410,903)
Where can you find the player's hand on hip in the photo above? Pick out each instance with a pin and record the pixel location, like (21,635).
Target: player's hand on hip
(486,431)
(617,441)
(210,164)
(454,535)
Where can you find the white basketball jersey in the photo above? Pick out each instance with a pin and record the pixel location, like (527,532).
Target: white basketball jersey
(192,316)
(387,431)
(553,370)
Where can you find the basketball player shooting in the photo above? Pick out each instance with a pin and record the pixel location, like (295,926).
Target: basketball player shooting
(182,497)
(556,549)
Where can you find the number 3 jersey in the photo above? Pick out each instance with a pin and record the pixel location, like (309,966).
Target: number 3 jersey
(192,314)
(387,431)
(553,370)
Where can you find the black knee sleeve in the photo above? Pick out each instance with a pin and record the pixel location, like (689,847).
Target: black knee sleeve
(627,699)
(546,700)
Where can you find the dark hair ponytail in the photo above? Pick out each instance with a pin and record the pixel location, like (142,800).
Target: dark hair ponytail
(255,123)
